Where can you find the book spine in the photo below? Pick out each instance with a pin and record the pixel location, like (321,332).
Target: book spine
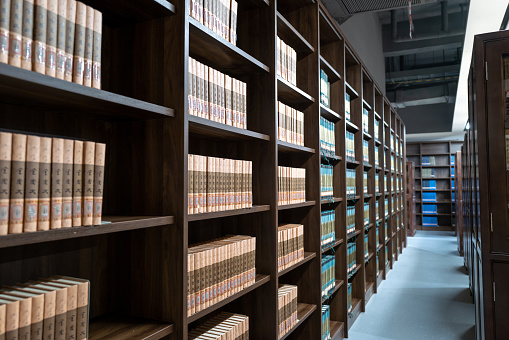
(57,160)
(190,184)
(190,90)
(67,183)
(79,43)
(5,9)
(43,220)
(196,181)
(61,314)
(17,183)
(61,31)
(82,320)
(97,50)
(12,320)
(88,182)
(27,30)
(89,47)
(15,31)
(5,179)
(100,158)
(70,15)
(51,38)
(77,186)
(32,183)
(39,59)
(233,22)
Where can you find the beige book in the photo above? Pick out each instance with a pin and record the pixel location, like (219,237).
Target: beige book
(244,106)
(221,96)
(217,184)
(51,38)
(190,184)
(70,26)
(43,221)
(15,33)
(197,280)
(27,31)
(199,88)
(206,99)
(62,303)
(58,310)
(24,312)
(233,22)
(61,32)
(72,305)
(88,182)
(37,310)
(79,43)
(5,180)
(19,143)
(11,325)
(203,184)
(97,50)
(57,160)
(5,9)
(100,158)
(77,189)
(32,183)
(49,308)
(67,182)
(89,45)
(228,99)
(40,27)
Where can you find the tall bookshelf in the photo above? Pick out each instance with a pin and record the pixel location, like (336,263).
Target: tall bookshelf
(137,265)
(410,199)
(434,176)
(459,200)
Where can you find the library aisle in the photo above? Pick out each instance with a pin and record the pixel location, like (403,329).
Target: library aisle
(425,297)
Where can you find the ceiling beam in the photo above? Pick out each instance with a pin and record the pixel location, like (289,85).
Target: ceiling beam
(392,49)
(427,71)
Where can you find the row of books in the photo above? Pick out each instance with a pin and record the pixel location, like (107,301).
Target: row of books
(218,269)
(216,96)
(452,184)
(429,196)
(350,146)
(429,184)
(377,183)
(49,183)
(347,106)
(326,182)
(386,205)
(393,164)
(290,124)
(351,257)
(328,234)
(366,246)
(286,62)
(377,211)
(365,182)
(218,184)
(429,208)
(59,38)
(365,151)
(350,182)
(366,213)
(290,242)
(324,89)
(386,235)
(453,158)
(220,16)
(287,308)
(53,308)
(222,326)
(385,183)
(292,185)
(328,274)
(393,146)
(325,322)
(349,298)
(377,159)
(350,220)
(452,172)
(453,196)
(428,160)
(430,221)
(327,137)
(377,243)
(365,120)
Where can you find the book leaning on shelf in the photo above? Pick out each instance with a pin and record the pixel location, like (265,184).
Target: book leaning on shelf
(38,191)
(287,308)
(290,238)
(220,16)
(222,326)
(292,185)
(290,125)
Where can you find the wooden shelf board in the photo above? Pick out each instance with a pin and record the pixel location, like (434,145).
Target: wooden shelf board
(330,158)
(352,164)
(27,87)
(337,330)
(352,198)
(292,37)
(377,142)
(286,147)
(356,310)
(292,95)
(331,201)
(366,135)
(352,235)
(367,166)
(350,90)
(366,105)
(355,271)
(378,169)
(296,205)
(336,243)
(206,128)
(304,311)
(439,228)
(351,126)
(379,247)
(438,214)
(329,114)
(117,224)
(436,166)
(227,213)
(338,284)
(328,31)
(332,75)
(368,195)
(259,280)
(370,256)
(113,327)
(386,147)
(210,48)
(377,116)
(386,124)
(308,256)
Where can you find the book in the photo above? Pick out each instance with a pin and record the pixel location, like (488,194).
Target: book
(51,37)
(24,313)
(77,189)
(79,43)
(67,183)
(40,27)
(15,31)
(61,303)
(61,32)
(88,182)
(17,183)
(36,314)
(89,47)
(57,160)
(32,183)
(11,318)
(27,30)
(5,10)
(100,157)
(70,25)
(5,180)
(43,220)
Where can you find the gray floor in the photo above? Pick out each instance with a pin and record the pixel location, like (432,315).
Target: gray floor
(425,296)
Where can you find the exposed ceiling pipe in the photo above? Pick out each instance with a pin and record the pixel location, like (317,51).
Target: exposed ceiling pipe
(445,16)
(394,24)
(439,35)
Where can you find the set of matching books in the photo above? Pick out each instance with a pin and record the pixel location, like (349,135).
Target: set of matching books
(49,183)
(453,157)
(429,196)
(428,173)
(328,275)
(59,38)
(377,159)
(377,211)
(366,246)
(393,146)
(292,185)
(350,220)
(365,120)
(366,213)
(218,269)
(350,182)
(220,16)
(386,235)
(452,184)
(218,184)
(286,62)
(350,146)
(429,208)
(385,184)
(347,106)
(386,205)
(377,129)
(452,172)
(324,89)
(287,308)
(349,298)
(216,96)
(392,205)
(53,308)
(327,137)
(326,182)
(393,164)
(222,326)
(428,160)
(328,234)
(290,124)
(377,183)
(325,322)
(290,245)
(365,151)
(430,221)
(351,257)
(365,181)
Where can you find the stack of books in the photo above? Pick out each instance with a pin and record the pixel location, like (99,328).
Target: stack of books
(49,183)
(216,96)
(365,120)
(325,322)
(219,269)
(393,164)
(222,326)
(290,125)
(452,172)
(386,232)
(220,16)
(324,89)
(453,196)
(328,234)
(287,306)
(352,257)
(326,182)
(452,184)
(350,146)
(350,220)
(365,151)
(327,137)
(219,184)
(428,173)
(54,308)
(366,214)
(328,275)
(350,182)
(393,146)
(386,255)
(290,242)
(347,106)
(392,205)
(286,62)
(292,185)
(377,241)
